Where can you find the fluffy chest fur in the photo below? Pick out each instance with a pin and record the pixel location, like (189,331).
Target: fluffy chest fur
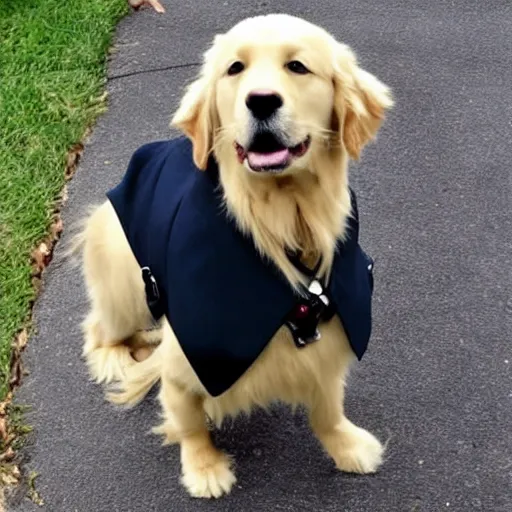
(205,267)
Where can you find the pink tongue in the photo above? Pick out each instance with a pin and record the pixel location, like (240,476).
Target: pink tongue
(273,159)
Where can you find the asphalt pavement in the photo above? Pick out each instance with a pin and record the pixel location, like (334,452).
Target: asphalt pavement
(435,198)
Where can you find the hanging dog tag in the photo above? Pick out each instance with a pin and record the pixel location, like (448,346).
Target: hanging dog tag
(315,287)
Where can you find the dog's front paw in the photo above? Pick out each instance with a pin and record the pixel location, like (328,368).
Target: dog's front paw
(208,475)
(358,451)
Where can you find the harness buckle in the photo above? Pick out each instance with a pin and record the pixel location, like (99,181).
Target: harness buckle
(304,318)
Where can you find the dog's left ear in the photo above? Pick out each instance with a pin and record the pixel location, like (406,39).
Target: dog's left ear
(196,116)
(360,101)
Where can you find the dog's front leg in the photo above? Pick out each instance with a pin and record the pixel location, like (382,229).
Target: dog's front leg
(353,449)
(206,471)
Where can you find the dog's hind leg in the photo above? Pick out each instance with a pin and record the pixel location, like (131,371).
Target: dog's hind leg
(116,293)
(206,471)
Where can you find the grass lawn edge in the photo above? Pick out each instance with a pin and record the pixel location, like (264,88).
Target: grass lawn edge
(13,429)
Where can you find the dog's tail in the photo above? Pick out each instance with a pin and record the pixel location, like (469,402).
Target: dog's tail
(137,381)
(74,246)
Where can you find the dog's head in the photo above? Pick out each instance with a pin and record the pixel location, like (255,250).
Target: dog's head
(275,90)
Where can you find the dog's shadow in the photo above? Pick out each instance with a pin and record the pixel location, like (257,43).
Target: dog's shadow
(268,438)
(275,454)
(274,446)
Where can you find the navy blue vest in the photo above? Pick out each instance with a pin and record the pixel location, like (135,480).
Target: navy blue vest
(223,300)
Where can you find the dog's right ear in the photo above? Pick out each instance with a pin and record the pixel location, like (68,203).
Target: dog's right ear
(196,116)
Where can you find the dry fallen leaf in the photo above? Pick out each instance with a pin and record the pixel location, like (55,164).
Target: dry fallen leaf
(157,6)
(41,257)
(3,429)
(22,339)
(56,228)
(9,479)
(73,158)
(64,194)
(10,438)
(16,371)
(8,455)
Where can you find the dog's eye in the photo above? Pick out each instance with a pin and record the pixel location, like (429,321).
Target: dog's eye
(296,66)
(235,68)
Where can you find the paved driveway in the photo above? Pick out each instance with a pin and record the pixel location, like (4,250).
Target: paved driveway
(435,195)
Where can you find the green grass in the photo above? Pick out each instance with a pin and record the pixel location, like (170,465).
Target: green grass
(52,75)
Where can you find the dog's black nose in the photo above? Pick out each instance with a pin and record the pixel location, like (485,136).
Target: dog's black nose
(263,104)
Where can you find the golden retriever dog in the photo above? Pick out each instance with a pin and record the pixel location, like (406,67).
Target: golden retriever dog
(324,109)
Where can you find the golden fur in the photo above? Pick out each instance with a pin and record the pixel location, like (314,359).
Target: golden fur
(340,106)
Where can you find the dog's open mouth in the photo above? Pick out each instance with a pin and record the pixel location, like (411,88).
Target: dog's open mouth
(267,154)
